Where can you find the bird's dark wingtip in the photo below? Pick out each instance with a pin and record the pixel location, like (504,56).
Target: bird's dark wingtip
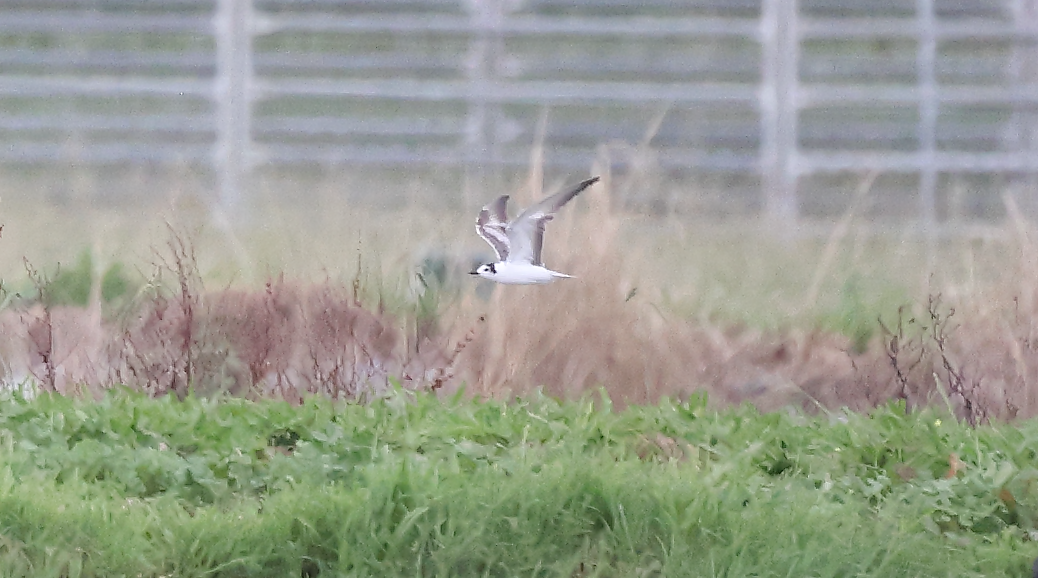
(581,186)
(587,183)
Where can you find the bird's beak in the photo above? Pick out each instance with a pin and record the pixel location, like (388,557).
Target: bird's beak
(473,272)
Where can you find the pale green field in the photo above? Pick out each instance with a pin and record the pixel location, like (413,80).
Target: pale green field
(737,270)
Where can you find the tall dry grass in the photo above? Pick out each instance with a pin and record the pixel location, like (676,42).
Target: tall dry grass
(973,349)
(606,330)
(633,323)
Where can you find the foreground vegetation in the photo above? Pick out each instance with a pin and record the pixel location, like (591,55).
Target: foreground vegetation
(412,485)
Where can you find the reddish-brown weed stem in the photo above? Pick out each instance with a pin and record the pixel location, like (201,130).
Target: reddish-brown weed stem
(41,328)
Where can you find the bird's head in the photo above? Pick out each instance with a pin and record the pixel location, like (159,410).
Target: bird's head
(488,271)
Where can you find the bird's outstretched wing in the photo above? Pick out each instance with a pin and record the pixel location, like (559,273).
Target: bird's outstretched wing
(526,232)
(492,225)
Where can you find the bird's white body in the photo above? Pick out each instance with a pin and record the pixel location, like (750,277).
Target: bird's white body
(518,242)
(519,273)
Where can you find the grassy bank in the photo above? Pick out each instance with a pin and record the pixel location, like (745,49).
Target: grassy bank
(412,485)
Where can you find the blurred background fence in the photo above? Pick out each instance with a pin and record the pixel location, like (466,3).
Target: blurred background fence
(779,106)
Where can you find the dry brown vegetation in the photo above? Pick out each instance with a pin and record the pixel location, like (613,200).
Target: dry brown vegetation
(975,350)
(286,340)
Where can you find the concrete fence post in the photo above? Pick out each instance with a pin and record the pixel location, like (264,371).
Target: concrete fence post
(1021,135)
(481,67)
(929,109)
(233,92)
(780,42)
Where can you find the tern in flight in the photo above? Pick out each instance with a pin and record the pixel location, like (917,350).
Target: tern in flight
(518,242)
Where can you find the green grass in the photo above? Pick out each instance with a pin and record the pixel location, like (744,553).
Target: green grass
(71,285)
(415,486)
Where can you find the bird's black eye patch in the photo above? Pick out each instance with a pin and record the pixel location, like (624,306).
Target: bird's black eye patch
(491,267)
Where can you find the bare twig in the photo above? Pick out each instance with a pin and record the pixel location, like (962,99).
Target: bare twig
(41,329)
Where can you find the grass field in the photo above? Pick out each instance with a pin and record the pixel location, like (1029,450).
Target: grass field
(412,485)
(587,428)
(664,304)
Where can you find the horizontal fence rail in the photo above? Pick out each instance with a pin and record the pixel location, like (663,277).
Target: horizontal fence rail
(767,98)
